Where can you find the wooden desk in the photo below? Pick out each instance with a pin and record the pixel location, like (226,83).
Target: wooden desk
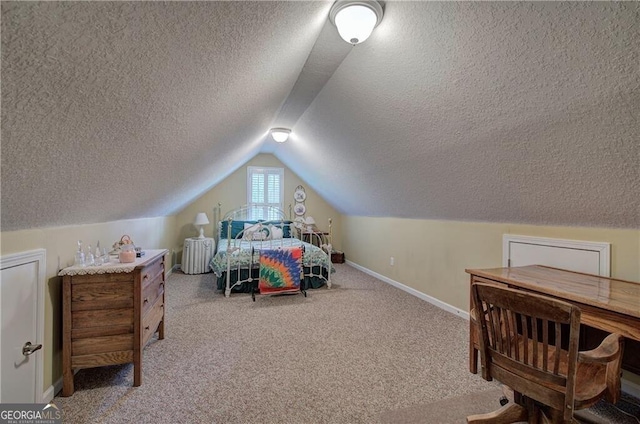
(607,304)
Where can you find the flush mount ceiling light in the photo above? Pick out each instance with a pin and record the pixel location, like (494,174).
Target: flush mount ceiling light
(280,134)
(355,19)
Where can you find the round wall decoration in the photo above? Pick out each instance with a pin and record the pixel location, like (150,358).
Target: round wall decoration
(299,195)
(299,209)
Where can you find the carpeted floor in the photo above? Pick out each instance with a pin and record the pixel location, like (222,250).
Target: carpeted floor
(451,410)
(357,353)
(454,410)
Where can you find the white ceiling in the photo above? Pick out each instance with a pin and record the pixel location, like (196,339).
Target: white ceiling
(502,112)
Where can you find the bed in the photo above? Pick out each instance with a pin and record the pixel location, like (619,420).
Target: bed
(241,239)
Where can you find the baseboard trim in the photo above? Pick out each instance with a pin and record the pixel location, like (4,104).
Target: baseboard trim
(627,386)
(52,391)
(412,291)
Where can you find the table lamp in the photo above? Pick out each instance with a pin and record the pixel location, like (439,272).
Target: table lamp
(201,220)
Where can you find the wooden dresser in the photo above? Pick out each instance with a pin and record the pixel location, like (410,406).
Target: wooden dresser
(109,314)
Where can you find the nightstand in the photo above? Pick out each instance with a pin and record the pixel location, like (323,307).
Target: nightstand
(197,254)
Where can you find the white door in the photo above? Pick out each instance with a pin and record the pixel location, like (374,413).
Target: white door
(574,255)
(21,318)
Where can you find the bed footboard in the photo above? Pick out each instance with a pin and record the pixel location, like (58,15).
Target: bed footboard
(240,242)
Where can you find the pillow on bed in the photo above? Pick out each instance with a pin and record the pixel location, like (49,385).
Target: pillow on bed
(276,232)
(255,232)
(286,228)
(236,228)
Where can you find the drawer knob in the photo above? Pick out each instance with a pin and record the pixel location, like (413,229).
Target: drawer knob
(146,300)
(146,328)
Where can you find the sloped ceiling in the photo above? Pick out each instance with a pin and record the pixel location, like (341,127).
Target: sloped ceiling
(503,112)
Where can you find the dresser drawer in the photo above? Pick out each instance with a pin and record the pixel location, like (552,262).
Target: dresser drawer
(152,271)
(151,320)
(151,292)
(103,295)
(92,345)
(116,277)
(102,318)
(112,330)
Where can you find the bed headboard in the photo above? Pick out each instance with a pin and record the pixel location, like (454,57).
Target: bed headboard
(247,213)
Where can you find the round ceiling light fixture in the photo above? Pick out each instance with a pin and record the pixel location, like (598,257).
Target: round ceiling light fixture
(355,19)
(280,134)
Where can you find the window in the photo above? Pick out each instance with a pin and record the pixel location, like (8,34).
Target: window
(264,190)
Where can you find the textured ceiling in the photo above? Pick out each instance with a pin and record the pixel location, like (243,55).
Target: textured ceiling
(503,112)
(114,110)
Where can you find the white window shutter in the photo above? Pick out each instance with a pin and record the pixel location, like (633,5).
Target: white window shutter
(264,190)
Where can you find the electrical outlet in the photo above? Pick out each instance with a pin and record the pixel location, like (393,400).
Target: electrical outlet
(392,261)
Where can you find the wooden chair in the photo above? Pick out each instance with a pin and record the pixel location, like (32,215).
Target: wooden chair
(530,343)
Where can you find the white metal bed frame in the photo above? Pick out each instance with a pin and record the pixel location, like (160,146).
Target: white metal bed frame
(239,242)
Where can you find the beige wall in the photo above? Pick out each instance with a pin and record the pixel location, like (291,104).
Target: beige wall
(431,256)
(60,244)
(232,193)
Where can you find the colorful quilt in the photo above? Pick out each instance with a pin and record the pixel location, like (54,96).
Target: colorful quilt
(243,258)
(280,270)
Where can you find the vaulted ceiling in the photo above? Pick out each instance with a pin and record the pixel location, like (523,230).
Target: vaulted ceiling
(503,112)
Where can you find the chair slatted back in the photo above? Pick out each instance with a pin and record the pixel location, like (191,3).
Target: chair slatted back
(521,343)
